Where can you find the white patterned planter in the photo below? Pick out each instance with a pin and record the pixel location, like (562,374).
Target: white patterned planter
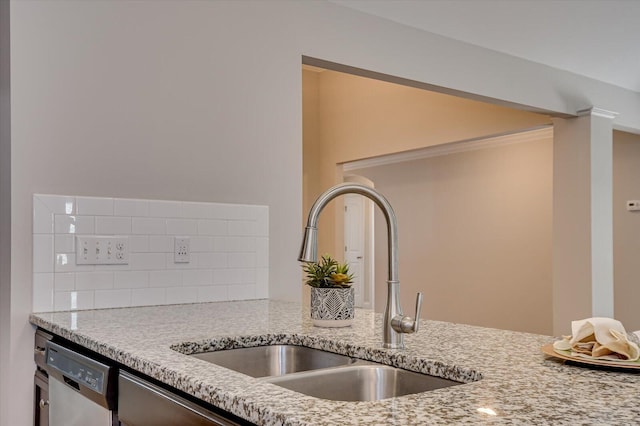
(332,307)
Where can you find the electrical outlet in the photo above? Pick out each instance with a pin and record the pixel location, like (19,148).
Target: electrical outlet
(102,250)
(633,205)
(181,250)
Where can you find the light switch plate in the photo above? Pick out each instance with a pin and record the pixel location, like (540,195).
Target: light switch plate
(102,250)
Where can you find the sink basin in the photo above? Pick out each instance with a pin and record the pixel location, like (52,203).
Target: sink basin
(324,374)
(361,383)
(274,360)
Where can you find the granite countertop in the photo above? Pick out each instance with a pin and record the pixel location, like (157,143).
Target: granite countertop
(504,371)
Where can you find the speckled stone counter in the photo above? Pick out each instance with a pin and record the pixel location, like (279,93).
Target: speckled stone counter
(504,372)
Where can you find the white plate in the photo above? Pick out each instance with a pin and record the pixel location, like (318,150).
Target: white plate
(566,355)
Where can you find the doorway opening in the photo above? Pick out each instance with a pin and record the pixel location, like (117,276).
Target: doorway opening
(359,243)
(351,122)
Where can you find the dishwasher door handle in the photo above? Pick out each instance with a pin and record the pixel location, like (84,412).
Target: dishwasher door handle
(71,383)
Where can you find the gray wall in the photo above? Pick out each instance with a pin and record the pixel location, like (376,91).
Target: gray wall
(5,206)
(626,229)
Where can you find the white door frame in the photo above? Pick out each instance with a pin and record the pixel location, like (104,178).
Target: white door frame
(368,280)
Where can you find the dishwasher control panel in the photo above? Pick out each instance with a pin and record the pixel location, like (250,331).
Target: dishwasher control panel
(76,369)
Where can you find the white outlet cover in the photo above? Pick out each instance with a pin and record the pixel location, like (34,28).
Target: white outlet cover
(181,250)
(102,250)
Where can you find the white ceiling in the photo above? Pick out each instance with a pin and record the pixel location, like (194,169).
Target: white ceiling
(599,39)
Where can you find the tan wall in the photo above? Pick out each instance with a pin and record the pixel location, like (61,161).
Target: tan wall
(363,118)
(626,229)
(475,235)
(311,136)
(311,186)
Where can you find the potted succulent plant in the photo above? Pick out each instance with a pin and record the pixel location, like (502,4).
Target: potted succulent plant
(332,296)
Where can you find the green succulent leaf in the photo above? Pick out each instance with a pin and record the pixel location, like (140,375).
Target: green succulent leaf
(328,273)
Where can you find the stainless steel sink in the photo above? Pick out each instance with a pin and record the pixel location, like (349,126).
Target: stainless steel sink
(361,383)
(275,360)
(324,374)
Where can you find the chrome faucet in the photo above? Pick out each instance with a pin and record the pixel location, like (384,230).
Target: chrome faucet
(395,323)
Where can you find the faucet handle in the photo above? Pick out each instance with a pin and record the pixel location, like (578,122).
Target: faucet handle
(406,324)
(416,322)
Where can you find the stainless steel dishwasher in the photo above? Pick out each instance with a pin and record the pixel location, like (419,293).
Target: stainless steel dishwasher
(82,390)
(142,403)
(41,379)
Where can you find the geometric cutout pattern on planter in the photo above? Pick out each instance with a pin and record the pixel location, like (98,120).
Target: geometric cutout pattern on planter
(332,303)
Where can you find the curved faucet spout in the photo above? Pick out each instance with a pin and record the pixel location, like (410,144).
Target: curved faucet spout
(309,252)
(395,323)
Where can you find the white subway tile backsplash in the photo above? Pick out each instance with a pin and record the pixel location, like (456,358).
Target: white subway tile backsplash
(42,218)
(197,210)
(243,228)
(64,281)
(112,225)
(227,276)
(171,264)
(241,260)
(148,226)
(65,243)
(138,243)
(262,223)
(234,244)
(94,280)
(182,294)
(147,261)
(66,262)
(112,268)
(133,208)
(242,292)
(249,276)
(161,244)
(58,204)
(201,244)
(211,260)
(165,278)
(212,294)
(262,252)
(112,298)
(43,253)
(62,301)
(73,300)
(262,277)
(229,252)
(164,208)
(43,292)
(148,296)
(64,224)
(95,206)
(224,211)
(197,277)
(74,224)
(212,227)
(236,211)
(262,291)
(182,227)
(85,299)
(130,279)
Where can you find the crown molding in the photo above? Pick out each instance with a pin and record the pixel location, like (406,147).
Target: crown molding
(598,112)
(452,148)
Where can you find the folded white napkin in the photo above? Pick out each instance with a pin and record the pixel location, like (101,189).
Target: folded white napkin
(600,338)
